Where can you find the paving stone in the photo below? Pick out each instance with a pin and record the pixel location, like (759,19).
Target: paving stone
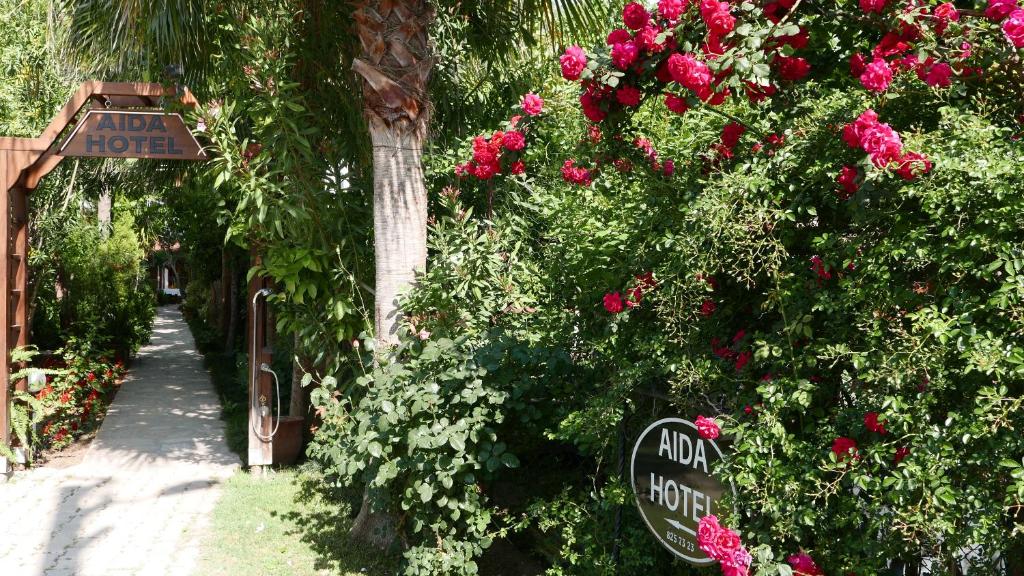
(140,500)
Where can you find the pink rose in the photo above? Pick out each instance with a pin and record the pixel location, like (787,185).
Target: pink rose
(573,62)
(628,96)
(853,133)
(517,167)
(707,529)
(613,302)
(847,179)
(999,9)
(676,104)
(635,16)
(872,6)
(939,75)
(877,76)
(690,72)
(707,428)
(882,144)
(671,9)
(533,105)
(1013,28)
(624,54)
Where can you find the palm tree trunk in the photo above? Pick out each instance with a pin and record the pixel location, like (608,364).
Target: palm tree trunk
(399,224)
(395,64)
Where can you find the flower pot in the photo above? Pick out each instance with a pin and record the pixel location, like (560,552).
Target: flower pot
(288,440)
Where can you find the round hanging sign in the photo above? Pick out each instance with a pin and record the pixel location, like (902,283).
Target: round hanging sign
(673,485)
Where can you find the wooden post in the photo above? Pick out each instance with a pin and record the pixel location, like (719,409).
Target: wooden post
(257,339)
(19,282)
(6,161)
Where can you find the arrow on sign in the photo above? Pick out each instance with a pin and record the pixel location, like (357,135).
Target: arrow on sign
(679,526)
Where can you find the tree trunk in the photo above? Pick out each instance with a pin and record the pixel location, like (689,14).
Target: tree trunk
(224,302)
(104,210)
(395,63)
(399,224)
(229,340)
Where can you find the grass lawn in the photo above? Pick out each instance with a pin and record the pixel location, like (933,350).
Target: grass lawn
(283,524)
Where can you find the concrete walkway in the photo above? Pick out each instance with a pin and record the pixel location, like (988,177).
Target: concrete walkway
(138,502)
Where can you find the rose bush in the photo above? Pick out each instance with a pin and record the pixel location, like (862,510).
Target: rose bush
(839,287)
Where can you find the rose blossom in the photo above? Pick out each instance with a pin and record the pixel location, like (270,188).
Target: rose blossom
(532,104)
(514,141)
(690,72)
(877,76)
(944,14)
(592,107)
(671,9)
(575,174)
(573,62)
(648,39)
(901,453)
(871,423)
(635,15)
(843,447)
(882,144)
(803,565)
(731,134)
(1013,28)
(717,17)
(517,167)
(792,68)
(707,308)
(939,75)
(707,428)
(676,104)
(618,36)
(872,5)
(848,180)
(999,9)
(613,302)
(628,96)
(854,132)
(624,54)
(913,164)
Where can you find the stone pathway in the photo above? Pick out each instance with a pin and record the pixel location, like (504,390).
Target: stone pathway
(138,502)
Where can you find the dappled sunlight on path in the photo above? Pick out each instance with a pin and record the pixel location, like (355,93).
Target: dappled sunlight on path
(138,502)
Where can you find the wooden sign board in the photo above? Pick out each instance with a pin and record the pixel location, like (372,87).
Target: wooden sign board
(673,484)
(132,134)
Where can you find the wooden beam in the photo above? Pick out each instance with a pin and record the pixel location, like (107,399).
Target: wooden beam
(19,288)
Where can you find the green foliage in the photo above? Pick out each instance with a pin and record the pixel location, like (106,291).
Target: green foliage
(105,296)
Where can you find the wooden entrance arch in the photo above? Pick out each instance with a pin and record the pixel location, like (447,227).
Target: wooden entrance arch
(25,161)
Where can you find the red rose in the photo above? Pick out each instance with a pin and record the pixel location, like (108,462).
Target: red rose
(635,15)
(613,302)
(871,423)
(844,447)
